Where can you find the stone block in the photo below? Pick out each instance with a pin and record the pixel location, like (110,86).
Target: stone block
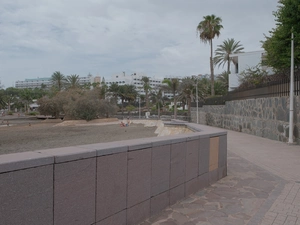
(176,194)
(213,153)
(142,143)
(204,156)
(213,176)
(138,213)
(111,184)
(160,180)
(159,203)
(178,153)
(139,176)
(26,196)
(192,186)
(24,160)
(116,219)
(67,154)
(192,159)
(203,180)
(74,196)
(222,151)
(222,172)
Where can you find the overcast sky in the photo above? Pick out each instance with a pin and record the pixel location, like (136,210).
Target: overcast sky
(105,37)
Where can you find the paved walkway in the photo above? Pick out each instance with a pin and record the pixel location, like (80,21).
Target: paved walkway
(262,188)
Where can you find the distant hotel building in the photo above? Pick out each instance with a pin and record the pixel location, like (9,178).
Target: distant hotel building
(39,82)
(134,79)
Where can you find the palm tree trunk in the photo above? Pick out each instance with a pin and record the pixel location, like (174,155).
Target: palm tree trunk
(212,70)
(158,112)
(175,106)
(228,66)
(147,101)
(189,106)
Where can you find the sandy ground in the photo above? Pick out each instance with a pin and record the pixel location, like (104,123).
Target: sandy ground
(19,136)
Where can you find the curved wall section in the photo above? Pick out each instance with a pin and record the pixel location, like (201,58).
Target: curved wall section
(121,182)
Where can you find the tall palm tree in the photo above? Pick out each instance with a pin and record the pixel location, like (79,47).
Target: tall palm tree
(208,29)
(73,81)
(173,86)
(58,80)
(147,87)
(229,46)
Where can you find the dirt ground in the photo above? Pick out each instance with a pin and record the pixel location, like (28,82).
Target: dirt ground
(32,134)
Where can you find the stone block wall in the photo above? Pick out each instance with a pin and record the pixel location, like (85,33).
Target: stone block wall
(111,183)
(264,117)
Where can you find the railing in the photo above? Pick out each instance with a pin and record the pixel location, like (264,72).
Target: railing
(276,86)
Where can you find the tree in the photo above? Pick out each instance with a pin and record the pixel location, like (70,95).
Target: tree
(156,97)
(173,86)
(187,91)
(208,29)
(147,88)
(72,81)
(103,89)
(26,96)
(58,80)
(278,43)
(223,79)
(229,46)
(252,77)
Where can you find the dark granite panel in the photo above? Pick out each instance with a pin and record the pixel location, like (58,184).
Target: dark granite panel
(176,194)
(178,154)
(26,196)
(204,156)
(160,179)
(111,184)
(192,160)
(74,192)
(139,176)
(159,202)
(138,213)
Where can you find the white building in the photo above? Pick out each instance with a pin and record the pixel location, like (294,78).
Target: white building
(38,82)
(133,79)
(245,61)
(34,83)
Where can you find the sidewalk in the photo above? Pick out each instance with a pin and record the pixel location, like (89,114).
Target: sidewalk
(262,187)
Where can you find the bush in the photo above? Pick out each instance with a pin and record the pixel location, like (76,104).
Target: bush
(9,113)
(34,113)
(77,104)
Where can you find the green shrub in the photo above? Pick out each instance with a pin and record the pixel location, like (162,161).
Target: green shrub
(33,113)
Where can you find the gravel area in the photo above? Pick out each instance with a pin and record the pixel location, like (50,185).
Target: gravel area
(20,136)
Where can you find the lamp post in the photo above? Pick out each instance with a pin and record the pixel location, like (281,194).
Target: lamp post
(197,101)
(291,122)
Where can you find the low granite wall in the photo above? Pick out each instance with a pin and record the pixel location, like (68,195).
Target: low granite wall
(264,117)
(121,182)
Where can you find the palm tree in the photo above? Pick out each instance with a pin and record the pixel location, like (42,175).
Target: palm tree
(26,97)
(229,46)
(207,30)
(187,89)
(223,78)
(72,81)
(173,86)
(58,80)
(146,86)
(157,97)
